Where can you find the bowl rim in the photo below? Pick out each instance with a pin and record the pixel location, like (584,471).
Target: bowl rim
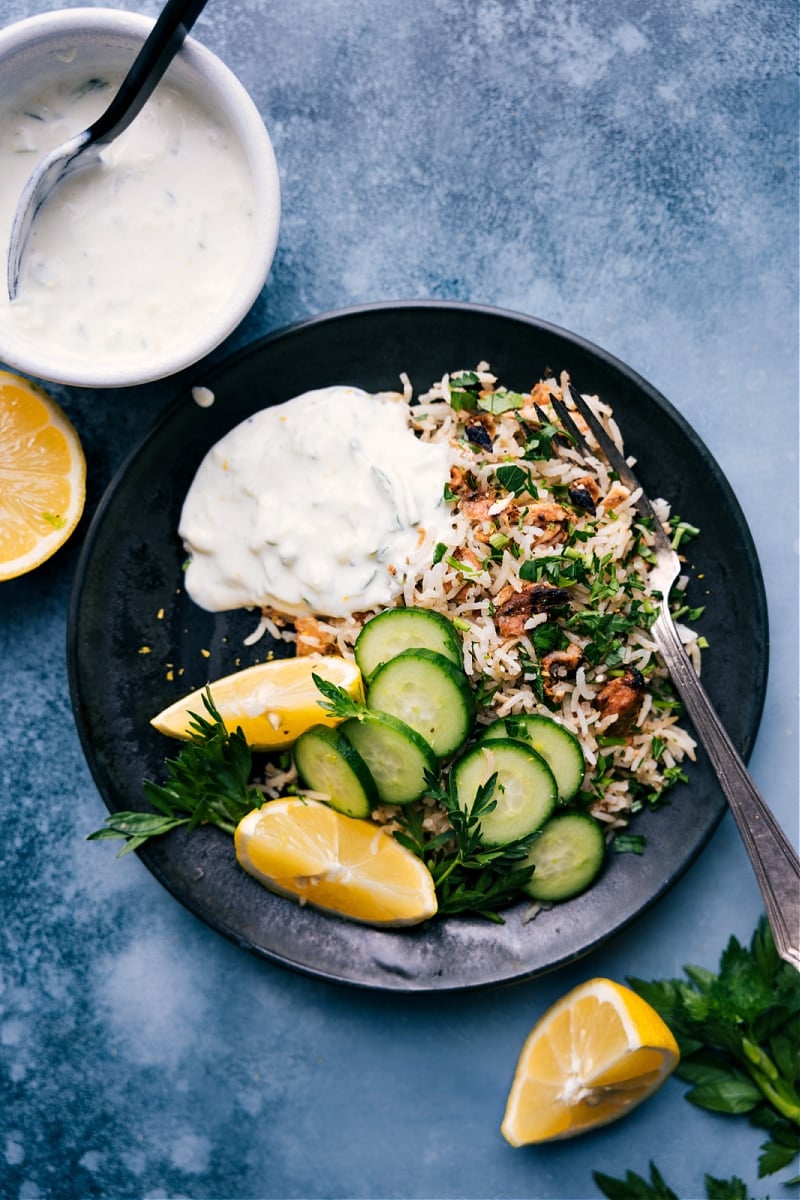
(196,62)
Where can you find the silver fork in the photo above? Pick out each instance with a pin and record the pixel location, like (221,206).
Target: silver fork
(774,859)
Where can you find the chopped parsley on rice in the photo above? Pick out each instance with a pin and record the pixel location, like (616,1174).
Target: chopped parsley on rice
(545,574)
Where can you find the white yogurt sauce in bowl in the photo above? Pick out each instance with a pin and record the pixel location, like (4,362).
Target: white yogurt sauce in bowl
(317,505)
(141,264)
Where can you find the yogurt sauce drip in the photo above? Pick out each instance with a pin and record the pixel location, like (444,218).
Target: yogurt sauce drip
(314,506)
(129,254)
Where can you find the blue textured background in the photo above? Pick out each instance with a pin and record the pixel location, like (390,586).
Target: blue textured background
(626,171)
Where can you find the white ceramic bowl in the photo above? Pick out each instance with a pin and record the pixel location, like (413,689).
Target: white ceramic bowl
(41,49)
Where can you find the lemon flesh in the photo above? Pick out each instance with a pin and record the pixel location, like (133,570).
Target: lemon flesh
(595,1055)
(307,851)
(272,702)
(42,476)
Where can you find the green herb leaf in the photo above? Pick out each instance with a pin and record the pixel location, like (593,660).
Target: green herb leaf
(501,401)
(725,1189)
(337,702)
(630,843)
(559,569)
(517,480)
(135,828)
(634,1187)
(465,380)
(539,440)
(774,1157)
(468,876)
(738,1030)
(207,784)
(732,1095)
(462,400)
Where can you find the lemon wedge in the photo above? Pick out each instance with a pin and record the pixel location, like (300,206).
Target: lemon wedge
(595,1055)
(42,476)
(306,850)
(272,702)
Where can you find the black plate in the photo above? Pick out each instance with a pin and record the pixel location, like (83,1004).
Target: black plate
(130,569)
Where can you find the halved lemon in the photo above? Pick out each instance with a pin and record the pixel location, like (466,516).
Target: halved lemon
(273,702)
(593,1056)
(42,476)
(304,849)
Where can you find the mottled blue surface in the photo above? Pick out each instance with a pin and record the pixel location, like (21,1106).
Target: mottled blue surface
(628,171)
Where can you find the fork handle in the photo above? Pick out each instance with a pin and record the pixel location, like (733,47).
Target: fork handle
(774,859)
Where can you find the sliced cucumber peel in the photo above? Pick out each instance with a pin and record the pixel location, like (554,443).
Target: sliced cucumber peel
(557,745)
(397,757)
(427,691)
(525,790)
(331,766)
(566,857)
(390,633)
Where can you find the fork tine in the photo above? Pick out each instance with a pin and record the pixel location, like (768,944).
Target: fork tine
(563,414)
(605,443)
(560,439)
(618,463)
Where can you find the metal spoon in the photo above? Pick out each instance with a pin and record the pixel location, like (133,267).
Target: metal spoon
(162,44)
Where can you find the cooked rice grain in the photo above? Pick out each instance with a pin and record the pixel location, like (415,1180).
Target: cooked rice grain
(473,573)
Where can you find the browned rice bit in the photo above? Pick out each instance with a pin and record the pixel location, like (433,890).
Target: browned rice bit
(559,665)
(514,608)
(622,696)
(548,516)
(311,637)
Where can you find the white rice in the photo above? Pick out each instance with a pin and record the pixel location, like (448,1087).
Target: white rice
(634,770)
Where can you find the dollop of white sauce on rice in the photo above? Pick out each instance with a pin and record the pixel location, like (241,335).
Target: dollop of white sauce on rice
(314,506)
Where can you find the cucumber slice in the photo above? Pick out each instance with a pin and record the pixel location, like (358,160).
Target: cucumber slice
(557,745)
(397,629)
(567,856)
(428,692)
(525,792)
(395,754)
(328,763)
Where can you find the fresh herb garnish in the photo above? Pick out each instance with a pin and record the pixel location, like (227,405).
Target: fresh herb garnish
(338,702)
(630,843)
(539,442)
(739,1032)
(501,400)
(469,877)
(462,400)
(207,784)
(518,480)
(682,531)
(547,637)
(559,569)
(485,690)
(464,390)
(607,631)
(635,1187)
(465,380)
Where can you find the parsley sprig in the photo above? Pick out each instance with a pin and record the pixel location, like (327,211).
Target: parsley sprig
(739,1032)
(469,876)
(337,701)
(635,1187)
(208,783)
